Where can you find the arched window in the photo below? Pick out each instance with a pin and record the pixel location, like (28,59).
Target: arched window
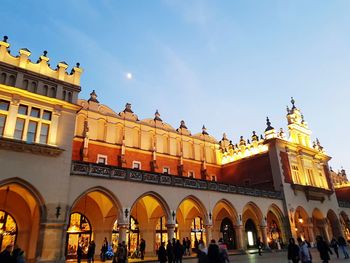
(8,230)
(45,90)
(3,78)
(197,230)
(12,81)
(52,92)
(25,84)
(64,95)
(70,97)
(79,231)
(33,86)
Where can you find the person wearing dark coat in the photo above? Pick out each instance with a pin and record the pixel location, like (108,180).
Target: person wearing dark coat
(213,252)
(79,253)
(323,248)
(334,245)
(162,253)
(142,248)
(91,251)
(178,249)
(293,251)
(5,255)
(170,252)
(343,246)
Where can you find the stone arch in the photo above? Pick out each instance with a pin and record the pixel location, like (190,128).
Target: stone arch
(149,210)
(252,220)
(12,81)
(334,228)
(192,218)
(3,78)
(98,206)
(225,219)
(301,222)
(275,228)
(28,208)
(319,224)
(345,222)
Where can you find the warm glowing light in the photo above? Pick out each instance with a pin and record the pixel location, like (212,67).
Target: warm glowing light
(74,229)
(296,229)
(250,238)
(300,219)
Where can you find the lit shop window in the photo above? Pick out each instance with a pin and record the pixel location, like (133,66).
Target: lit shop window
(136,165)
(8,230)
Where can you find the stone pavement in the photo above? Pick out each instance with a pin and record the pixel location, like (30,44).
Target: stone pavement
(268,257)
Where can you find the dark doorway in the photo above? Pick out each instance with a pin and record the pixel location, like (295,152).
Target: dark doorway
(228,233)
(251,233)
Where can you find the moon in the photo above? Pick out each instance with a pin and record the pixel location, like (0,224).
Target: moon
(128,76)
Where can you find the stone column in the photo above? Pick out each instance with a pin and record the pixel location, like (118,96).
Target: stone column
(263,230)
(310,228)
(122,232)
(208,232)
(171,231)
(11,117)
(239,236)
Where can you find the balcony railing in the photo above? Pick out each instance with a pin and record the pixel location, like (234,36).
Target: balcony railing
(344,204)
(118,173)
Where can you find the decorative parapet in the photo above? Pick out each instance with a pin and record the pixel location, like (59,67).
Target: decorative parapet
(344,204)
(341,185)
(42,66)
(137,176)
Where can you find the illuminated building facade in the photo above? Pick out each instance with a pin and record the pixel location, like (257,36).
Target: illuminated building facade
(74,170)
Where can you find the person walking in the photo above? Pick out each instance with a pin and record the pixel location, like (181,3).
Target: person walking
(305,254)
(104,249)
(334,245)
(79,253)
(170,252)
(162,255)
(323,249)
(188,246)
(213,252)
(259,245)
(343,246)
(91,251)
(142,248)
(202,253)
(293,251)
(223,252)
(122,253)
(178,252)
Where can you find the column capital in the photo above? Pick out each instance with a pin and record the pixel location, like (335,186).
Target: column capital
(123,225)
(170,225)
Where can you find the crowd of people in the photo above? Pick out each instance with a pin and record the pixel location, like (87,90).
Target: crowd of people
(301,252)
(12,254)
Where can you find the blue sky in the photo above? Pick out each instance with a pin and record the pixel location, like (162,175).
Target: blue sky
(226,64)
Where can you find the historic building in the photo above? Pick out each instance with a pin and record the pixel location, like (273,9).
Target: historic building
(74,170)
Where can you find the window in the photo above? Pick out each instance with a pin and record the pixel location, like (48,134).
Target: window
(101,159)
(19,129)
(31,134)
(311,177)
(2,124)
(44,133)
(136,165)
(52,92)
(4,105)
(25,84)
(191,174)
(23,109)
(295,174)
(35,112)
(213,178)
(47,115)
(166,170)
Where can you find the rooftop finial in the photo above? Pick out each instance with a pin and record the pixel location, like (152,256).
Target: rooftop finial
(293,102)
(268,123)
(224,137)
(5,39)
(128,108)
(45,53)
(302,118)
(255,137)
(78,65)
(93,97)
(204,130)
(157,116)
(288,110)
(183,125)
